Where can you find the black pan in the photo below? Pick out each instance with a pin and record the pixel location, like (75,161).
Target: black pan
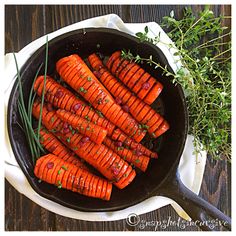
(161,177)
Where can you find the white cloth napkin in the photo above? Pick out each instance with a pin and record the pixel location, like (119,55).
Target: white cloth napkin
(191,168)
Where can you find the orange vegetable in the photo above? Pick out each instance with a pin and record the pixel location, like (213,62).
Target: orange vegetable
(142,112)
(54,146)
(62,98)
(84,126)
(63,174)
(118,135)
(86,84)
(100,157)
(134,157)
(129,71)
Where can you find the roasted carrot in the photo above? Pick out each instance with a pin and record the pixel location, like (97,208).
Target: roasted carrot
(119,136)
(99,157)
(138,160)
(61,97)
(87,150)
(148,91)
(78,180)
(138,109)
(84,126)
(94,92)
(112,58)
(54,146)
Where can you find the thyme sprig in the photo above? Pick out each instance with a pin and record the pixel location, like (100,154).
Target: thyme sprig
(204,50)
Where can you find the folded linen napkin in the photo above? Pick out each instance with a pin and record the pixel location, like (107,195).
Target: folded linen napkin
(191,169)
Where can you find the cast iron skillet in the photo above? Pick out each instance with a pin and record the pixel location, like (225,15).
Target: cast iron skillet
(162,177)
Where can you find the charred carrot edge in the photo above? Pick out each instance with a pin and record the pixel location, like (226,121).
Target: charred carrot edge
(148,93)
(118,135)
(85,127)
(137,107)
(140,162)
(71,177)
(135,78)
(74,141)
(112,58)
(53,145)
(69,102)
(116,64)
(132,72)
(143,79)
(125,69)
(97,96)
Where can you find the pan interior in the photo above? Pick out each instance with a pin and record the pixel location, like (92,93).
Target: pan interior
(170,103)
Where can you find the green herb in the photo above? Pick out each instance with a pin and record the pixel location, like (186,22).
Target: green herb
(107,100)
(99,101)
(26,114)
(59,172)
(44,85)
(83,90)
(137,160)
(64,168)
(89,79)
(41,139)
(142,126)
(59,184)
(99,113)
(88,128)
(153,135)
(68,140)
(75,148)
(87,118)
(204,50)
(52,120)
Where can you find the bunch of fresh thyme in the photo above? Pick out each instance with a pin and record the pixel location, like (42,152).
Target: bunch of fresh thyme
(204,48)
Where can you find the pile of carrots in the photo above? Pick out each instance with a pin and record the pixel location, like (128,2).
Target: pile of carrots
(99,125)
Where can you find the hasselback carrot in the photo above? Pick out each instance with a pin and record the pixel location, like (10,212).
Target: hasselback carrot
(69,176)
(85,127)
(130,71)
(106,161)
(100,157)
(119,136)
(142,112)
(62,98)
(54,146)
(140,161)
(82,80)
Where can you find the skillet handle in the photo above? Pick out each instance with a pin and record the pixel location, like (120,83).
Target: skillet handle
(201,212)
